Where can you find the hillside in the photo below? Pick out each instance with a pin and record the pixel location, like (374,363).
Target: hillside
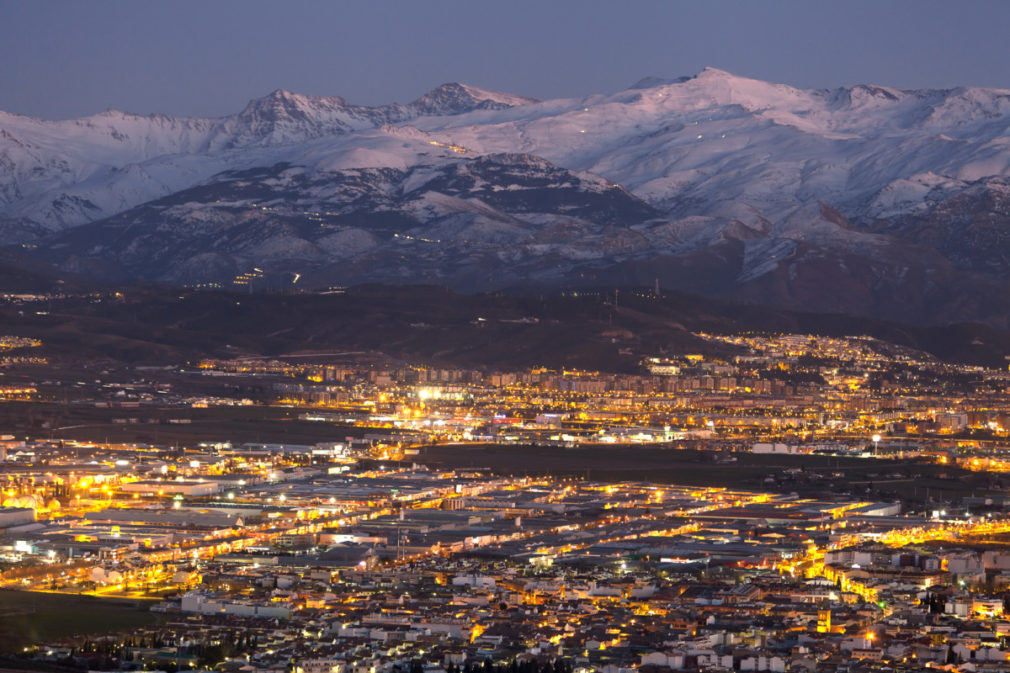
(427,324)
(864,200)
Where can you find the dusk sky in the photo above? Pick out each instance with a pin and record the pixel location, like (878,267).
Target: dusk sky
(68,59)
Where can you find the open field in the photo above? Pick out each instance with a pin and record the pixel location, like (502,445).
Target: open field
(28,618)
(428,324)
(820,475)
(236,424)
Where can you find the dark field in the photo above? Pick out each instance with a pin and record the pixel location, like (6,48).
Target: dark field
(429,324)
(217,424)
(29,618)
(821,475)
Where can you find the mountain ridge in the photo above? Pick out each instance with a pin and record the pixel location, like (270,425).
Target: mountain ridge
(761,189)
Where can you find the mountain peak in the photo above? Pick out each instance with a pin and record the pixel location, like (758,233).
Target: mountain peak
(706,75)
(281,117)
(284,100)
(710,72)
(652,81)
(282,95)
(456,98)
(710,75)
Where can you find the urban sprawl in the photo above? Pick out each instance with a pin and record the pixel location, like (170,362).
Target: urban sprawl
(835,504)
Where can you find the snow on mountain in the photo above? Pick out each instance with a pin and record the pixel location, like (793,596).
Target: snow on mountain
(284,117)
(59,174)
(693,146)
(455,98)
(443,208)
(717,137)
(718,182)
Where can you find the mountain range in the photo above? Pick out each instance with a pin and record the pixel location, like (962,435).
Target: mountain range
(863,200)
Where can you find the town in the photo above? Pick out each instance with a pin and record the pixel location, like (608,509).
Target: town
(475,337)
(807,503)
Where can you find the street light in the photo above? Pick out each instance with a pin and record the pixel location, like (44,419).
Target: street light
(876,443)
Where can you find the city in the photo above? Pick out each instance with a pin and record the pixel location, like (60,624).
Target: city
(803,502)
(481,337)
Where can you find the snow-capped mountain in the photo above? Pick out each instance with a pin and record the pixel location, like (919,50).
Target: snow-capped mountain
(863,199)
(59,174)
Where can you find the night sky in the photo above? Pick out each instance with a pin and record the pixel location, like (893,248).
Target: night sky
(208,58)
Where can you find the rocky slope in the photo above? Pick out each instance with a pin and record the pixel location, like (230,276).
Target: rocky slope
(864,200)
